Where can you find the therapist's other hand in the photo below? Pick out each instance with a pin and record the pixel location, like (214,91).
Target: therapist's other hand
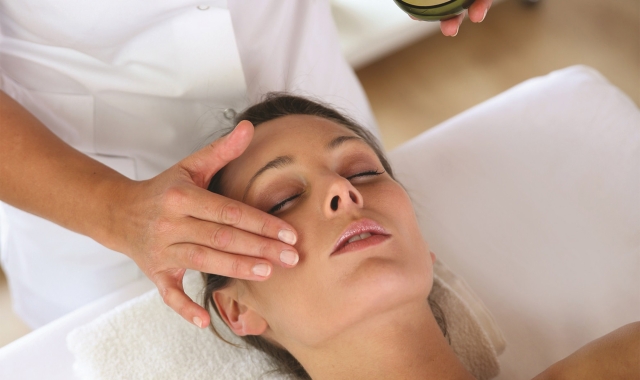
(477,12)
(173,223)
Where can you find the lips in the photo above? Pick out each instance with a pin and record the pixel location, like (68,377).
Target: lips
(360,234)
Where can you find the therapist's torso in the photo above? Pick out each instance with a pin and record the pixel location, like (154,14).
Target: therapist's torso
(140,85)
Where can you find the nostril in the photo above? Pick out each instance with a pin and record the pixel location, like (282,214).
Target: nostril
(353,197)
(334,203)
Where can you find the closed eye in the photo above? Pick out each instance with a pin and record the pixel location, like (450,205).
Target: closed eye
(284,202)
(365,174)
(280,205)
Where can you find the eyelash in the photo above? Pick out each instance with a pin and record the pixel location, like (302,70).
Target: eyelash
(367,173)
(280,205)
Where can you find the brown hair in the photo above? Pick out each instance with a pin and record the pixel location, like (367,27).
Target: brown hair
(273,106)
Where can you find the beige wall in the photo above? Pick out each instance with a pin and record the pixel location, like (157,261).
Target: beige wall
(439,77)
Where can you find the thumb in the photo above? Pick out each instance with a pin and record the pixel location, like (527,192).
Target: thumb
(203,164)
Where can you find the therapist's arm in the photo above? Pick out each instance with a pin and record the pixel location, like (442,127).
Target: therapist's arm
(166,224)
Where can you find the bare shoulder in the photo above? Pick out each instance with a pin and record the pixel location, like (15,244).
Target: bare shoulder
(611,357)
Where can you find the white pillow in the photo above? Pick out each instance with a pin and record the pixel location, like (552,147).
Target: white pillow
(533,197)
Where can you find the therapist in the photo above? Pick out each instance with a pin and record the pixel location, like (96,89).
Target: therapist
(99,101)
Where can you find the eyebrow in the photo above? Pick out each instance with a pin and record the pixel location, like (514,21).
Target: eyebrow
(282,161)
(276,163)
(336,142)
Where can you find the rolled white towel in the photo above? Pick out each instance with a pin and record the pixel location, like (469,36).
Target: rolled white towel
(145,339)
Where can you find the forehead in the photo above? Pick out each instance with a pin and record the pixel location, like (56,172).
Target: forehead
(292,135)
(313,129)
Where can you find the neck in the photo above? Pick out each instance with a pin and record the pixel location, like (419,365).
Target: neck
(404,344)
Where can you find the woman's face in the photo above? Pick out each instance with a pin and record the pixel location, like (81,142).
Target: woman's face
(325,181)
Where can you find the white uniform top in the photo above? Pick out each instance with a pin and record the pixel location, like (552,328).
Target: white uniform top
(139,85)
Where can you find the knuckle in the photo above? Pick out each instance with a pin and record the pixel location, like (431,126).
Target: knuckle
(173,197)
(197,256)
(267,225)
(236,269)
(265,250)
(230,213)
(223,237)
(169,299)
(152,267)
(164,293)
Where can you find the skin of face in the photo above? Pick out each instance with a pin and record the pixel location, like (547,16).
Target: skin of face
(324,295)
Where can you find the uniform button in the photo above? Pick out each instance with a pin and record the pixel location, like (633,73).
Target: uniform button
(229,113)
(203,7)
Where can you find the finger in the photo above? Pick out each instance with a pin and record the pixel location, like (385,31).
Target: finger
(216,208)
(172,292)
(206,162)
(451,26)
(232,240)
(478,10)
(203,259)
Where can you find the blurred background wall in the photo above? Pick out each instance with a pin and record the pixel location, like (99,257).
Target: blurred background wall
(416,78)
(437,77)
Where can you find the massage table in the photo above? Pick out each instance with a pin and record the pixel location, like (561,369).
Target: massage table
(533,197)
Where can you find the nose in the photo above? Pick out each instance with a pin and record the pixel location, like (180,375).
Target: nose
(342,196)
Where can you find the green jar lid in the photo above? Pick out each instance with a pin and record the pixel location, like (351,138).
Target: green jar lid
(434,10)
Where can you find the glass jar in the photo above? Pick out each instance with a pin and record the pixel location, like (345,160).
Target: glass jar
(434,10)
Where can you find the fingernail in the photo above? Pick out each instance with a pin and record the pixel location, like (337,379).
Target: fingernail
(289,257)
(197,321)
(485,14)
(287,236)
(261,270)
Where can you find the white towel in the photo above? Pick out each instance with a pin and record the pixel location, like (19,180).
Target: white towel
(145,339)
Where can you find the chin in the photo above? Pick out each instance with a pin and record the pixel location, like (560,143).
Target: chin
(385,284)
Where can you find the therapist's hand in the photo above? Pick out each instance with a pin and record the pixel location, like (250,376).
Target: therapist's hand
(477,12)
(166,224)
(172,223)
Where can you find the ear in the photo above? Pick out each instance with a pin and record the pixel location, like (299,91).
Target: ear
(240,318)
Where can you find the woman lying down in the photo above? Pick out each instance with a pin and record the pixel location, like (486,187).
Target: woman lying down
(357,305)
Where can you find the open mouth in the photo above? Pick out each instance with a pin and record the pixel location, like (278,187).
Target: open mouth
(359,235)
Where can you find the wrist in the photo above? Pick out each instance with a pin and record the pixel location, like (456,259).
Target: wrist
(116,197)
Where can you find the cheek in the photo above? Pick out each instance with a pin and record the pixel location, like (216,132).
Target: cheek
(400,201)
(296,302)
(393,203)
(390,200)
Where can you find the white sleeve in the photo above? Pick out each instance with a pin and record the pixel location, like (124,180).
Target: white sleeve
(293,46)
